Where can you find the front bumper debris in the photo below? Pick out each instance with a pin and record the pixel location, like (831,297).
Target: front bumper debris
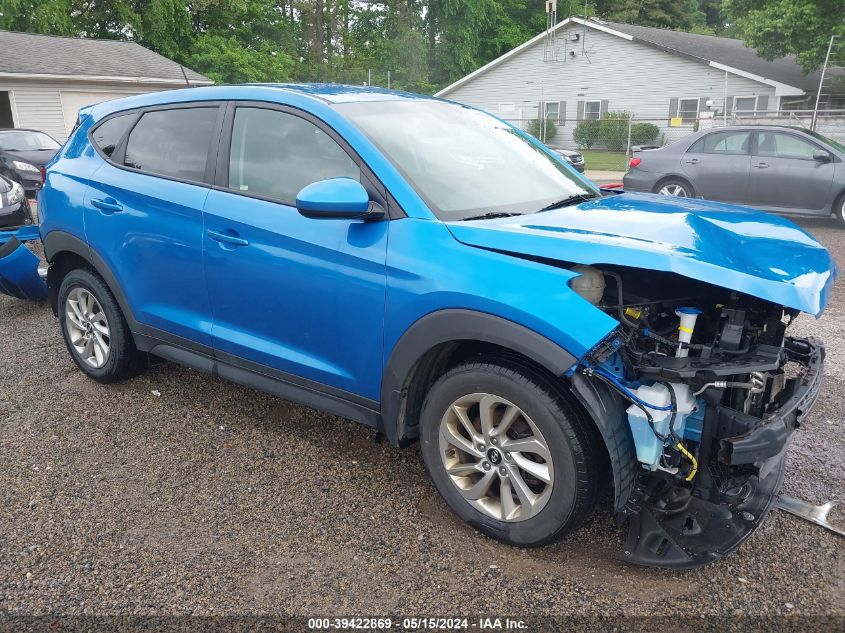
(741,472)
(19,275)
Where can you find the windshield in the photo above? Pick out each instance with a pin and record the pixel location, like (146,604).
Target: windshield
(26,141)
(463,162)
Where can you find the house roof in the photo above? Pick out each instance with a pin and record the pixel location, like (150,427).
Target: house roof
(723,53)
(49,56)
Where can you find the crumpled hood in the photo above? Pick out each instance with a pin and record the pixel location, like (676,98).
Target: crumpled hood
(748,251)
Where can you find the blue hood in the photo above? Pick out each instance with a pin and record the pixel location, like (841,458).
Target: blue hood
(762,255)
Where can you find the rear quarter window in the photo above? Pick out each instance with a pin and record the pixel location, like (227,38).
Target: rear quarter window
(108,134)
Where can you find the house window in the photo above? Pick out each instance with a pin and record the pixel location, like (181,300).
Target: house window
(688,110)
(592,109)
(745,105)
(553,110)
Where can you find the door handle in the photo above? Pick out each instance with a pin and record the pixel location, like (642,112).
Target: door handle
(693,161)
(762,165)
(107,205)
(227,238)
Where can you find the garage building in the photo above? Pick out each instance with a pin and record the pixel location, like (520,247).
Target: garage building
(45,80)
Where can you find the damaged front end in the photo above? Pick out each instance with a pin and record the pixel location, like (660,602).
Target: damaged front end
(712,388)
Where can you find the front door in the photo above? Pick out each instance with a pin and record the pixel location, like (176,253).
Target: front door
(786,176)
(143,214)
(718,165)
(304,297)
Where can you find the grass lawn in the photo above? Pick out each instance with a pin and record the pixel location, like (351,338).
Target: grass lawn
(605,161)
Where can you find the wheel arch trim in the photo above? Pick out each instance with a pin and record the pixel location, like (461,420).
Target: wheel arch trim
(57,242)
(454,325)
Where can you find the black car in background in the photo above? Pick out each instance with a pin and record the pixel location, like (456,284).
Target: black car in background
(23,153)
(576,159)
(14,207)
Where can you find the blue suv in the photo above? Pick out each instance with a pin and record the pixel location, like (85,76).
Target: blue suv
(430,271)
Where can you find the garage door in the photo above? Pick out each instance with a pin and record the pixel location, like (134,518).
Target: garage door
(73,101)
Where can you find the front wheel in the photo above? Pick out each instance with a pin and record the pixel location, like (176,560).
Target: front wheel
(508,454)
(839,210)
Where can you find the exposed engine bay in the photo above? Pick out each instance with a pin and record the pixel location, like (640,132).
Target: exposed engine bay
(711,387)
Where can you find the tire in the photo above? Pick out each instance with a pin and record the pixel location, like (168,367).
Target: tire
(839,209)
(572,474)
(102,322)
(681,188)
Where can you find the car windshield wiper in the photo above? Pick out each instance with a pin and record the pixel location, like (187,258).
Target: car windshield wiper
(490,216)
(565,202)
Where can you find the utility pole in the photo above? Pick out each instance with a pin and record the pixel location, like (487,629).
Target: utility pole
(388,80)
(821,81)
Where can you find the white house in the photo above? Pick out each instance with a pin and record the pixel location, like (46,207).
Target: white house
(44,80)
(581,69)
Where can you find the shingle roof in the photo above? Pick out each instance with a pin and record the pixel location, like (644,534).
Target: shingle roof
(709,49)
(31,54)
(724,50)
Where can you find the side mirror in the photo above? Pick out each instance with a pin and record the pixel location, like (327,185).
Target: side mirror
(334,198)
(821,156)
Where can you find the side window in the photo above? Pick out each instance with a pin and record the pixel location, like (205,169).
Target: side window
(784,146)
(172,143)
(107,135)
(722,143)
(275,154)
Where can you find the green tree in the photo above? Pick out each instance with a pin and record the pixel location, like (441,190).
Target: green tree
(775,28)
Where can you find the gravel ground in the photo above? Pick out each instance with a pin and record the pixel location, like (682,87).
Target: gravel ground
(213,499)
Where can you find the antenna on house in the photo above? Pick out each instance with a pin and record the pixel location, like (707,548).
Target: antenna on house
(184,75)
(550,48)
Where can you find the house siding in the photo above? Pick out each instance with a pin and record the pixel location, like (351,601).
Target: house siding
(626,75)
(38,104)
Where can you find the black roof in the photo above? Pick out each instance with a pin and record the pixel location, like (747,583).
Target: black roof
(31,54)
(724,50)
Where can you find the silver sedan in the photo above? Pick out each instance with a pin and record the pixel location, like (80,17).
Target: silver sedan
(772,168)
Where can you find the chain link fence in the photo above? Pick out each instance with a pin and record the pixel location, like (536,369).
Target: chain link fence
(625,133)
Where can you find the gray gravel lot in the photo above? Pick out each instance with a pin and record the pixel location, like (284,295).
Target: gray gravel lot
(215,499)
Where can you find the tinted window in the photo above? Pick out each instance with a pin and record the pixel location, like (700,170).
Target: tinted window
(784,146)
(107,135)
(275,154)
(172,142)
(723,143)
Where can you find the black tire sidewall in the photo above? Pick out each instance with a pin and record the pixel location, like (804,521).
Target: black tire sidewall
(87,280)
(559,514)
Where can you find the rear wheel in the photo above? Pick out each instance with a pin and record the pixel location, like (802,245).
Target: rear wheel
(674,187)
(508,454)
(95,332)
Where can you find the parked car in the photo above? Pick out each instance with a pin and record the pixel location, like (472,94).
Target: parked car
(14,207)
(23,153)
(430,271)
(772,168)
(576,159)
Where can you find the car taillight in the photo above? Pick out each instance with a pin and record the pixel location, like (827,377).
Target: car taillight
(634,162)
(43,174)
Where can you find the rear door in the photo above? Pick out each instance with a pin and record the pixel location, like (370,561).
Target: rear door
(143,213)
(785,176)
(718,165)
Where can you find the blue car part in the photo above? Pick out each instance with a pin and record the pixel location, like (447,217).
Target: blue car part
(19,276)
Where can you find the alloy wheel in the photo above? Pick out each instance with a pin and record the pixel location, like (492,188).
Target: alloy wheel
(673,189)
(87,327)
(496,457)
